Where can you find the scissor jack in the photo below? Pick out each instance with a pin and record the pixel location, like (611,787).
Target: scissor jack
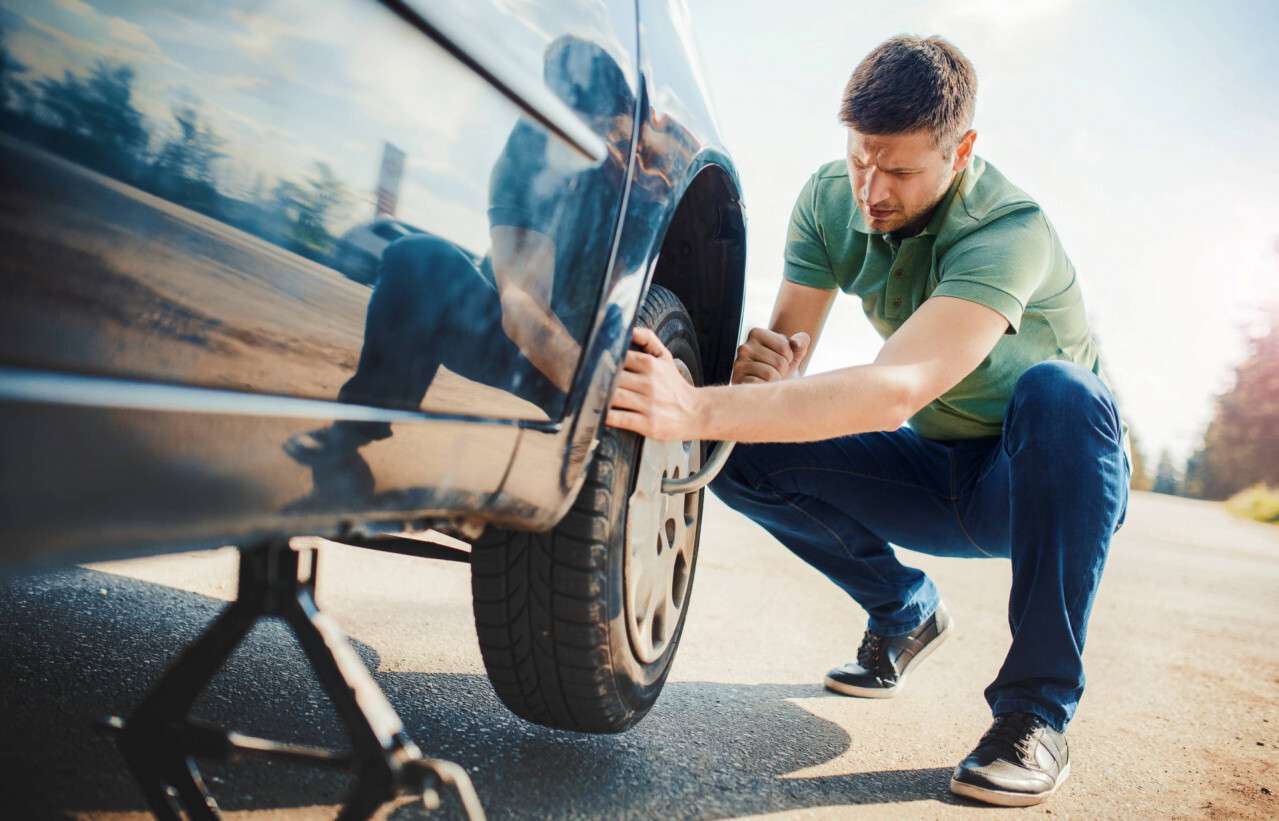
(160,742)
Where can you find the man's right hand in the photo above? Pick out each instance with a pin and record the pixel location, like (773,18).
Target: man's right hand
(767,356)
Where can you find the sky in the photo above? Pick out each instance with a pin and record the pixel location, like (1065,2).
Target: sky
(1147,131)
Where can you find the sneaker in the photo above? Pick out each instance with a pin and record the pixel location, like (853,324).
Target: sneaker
(883,661)
(1020,761)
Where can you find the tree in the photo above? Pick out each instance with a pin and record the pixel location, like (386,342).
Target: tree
(1141,479)
(1241,443)
(1165,475)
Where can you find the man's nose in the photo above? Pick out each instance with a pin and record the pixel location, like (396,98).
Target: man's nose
(875,188)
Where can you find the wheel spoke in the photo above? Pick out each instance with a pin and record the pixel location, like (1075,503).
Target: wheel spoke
(659,548)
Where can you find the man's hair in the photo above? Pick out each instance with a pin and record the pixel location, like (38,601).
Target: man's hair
(911,83)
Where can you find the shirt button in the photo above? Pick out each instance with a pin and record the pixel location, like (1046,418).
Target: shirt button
(897,301)
(898,273)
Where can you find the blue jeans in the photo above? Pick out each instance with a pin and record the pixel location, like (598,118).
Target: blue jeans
(1047,493)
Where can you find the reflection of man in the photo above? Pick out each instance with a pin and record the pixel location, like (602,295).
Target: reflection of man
(1015,446)
(516,318)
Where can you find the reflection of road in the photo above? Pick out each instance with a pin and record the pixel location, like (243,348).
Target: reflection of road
(133,285)
(1181,718)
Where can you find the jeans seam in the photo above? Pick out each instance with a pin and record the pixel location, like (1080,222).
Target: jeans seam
(844,545)
(954,506)
(855,473)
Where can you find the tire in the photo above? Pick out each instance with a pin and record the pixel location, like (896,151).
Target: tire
(563,637)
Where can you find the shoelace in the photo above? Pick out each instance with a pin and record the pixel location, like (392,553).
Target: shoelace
(1012,733)
(870,654)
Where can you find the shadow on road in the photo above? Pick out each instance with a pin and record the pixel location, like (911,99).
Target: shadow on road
(80,644)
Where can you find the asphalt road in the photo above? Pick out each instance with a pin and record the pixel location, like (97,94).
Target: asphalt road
(1181,718)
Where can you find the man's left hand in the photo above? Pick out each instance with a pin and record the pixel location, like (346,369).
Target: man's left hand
(652,398)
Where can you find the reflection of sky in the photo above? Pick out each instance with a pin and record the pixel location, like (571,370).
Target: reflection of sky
(285,94)
(1147,130)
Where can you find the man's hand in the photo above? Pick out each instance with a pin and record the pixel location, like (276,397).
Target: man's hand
(767,356)
(652,397)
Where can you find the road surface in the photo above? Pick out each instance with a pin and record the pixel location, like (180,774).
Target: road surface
(1181,717)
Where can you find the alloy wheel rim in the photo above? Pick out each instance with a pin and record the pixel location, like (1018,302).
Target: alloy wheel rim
(660,539)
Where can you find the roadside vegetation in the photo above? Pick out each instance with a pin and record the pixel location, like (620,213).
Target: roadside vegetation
(1237,460)
(1260,502)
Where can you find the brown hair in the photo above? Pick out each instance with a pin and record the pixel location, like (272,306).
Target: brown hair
(910,83)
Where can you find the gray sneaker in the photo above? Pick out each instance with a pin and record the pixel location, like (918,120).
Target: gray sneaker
(883,661)
(1020,761)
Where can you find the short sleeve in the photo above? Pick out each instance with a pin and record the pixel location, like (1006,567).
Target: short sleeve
(806,259)
(513,198)
(1000,265)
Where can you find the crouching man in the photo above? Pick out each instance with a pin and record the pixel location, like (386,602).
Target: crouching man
(1015,446)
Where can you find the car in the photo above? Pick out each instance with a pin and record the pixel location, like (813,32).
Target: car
(359,250)
(191,356)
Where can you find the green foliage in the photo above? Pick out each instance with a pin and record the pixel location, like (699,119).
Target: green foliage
(1259,502)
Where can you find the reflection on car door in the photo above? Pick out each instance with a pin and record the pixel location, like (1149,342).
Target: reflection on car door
(180,183)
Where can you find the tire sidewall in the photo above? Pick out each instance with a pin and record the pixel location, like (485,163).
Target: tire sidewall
(638,683)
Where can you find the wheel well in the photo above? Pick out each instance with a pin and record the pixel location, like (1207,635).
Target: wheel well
(703,261)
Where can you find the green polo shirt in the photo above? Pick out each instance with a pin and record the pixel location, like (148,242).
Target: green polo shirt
(988,242)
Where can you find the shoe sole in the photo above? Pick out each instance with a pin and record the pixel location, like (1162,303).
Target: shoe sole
(888,692)
(1003,798)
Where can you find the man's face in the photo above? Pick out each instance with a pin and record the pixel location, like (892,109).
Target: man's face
(897,179)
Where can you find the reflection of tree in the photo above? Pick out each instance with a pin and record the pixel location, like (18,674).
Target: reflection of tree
(91,119)
(10,87)
(312,207)
(95,118)
(185,163)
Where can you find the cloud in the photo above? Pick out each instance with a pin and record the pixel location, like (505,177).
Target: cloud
(133,41)
(130,33)
(77,7)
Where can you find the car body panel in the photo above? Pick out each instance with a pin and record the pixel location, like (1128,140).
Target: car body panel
(174,323)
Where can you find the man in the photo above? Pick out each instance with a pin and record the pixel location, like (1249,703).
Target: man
(1015,446)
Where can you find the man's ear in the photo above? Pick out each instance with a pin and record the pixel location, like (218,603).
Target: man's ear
(964,151)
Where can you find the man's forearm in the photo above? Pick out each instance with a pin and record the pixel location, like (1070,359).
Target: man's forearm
(541,336)
(808,409)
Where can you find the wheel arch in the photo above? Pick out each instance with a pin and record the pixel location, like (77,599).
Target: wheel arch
(702,260)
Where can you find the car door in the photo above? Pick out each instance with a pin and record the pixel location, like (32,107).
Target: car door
(197,185)
(210,195)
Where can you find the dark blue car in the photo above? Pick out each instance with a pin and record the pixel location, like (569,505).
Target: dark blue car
(188,358)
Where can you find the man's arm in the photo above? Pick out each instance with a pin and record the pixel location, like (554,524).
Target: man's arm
(524,267)
(941,343)
(770,353)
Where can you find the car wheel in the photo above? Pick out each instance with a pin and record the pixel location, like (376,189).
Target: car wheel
(578,626)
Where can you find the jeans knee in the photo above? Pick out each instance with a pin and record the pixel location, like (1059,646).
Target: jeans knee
(1060,397)
(731,479)
(422,260)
